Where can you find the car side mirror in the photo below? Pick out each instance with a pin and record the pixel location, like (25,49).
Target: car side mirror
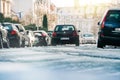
(99,23)
(78,30)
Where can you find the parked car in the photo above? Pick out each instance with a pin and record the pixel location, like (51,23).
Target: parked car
(65,34)
(109,29)
(4,41)
(87,38)
(14,36)
(31,37)
(25,38)
(50,33)
(43,37)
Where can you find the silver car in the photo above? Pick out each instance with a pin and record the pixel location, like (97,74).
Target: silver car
(87,38)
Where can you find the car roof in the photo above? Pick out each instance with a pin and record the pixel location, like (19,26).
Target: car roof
(65,25)
(7,23)
(40,31)
(17,24)
(114,9)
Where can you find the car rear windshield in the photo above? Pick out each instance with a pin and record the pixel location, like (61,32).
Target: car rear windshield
(87,35)
(113,16)
(7,26)
(64,28)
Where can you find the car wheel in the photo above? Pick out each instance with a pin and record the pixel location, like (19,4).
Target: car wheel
(45,43)
(23,44)
(100,44)
(30,45)
(7,44)
(53,43)
(77,43)
(1,42)
(18,44)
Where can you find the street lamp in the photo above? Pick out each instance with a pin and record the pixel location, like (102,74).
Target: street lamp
(20,14)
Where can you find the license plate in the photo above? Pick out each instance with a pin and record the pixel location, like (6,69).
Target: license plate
(117,29)
(64,38)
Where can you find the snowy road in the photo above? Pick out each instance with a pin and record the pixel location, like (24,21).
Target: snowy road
(85,62)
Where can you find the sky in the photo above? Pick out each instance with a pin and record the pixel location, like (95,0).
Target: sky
(22,5)
(63,3)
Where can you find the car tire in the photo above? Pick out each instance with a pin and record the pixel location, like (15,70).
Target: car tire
(1,42)
(45,43)
(23,44)
(18,44)
(30,45)
(7,44)
(53,43)
(77,43)
(100,44)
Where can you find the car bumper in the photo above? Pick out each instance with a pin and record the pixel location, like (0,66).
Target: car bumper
(65,40)
(111,40)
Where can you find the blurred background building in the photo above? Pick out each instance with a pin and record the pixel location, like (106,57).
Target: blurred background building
(5,7)
(84,17)
(44,8)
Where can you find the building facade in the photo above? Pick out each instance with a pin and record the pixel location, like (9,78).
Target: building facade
(5,7)
(44,8)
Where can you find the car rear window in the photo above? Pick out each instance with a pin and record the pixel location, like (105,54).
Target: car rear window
(7,26)
(113,15)
(64,28)
(87,35)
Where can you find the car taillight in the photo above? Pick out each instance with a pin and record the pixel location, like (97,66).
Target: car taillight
(103,22)
(54,34)
(43,35)
(75,33)
(13,32)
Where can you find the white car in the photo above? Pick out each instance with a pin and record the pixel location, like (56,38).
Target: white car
(44,38)
(88,38)
(31,36)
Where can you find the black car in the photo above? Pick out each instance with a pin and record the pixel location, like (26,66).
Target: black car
(4,41)
(109,29)
(14,36)
(65,34)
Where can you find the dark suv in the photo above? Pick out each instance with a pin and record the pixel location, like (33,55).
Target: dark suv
(4,41)
(65,34)
(109,29)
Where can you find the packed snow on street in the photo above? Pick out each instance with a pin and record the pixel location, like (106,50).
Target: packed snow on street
(62,62)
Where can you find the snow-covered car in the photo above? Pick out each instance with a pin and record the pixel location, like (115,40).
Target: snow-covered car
(88,38)
(4,41)
(42,38)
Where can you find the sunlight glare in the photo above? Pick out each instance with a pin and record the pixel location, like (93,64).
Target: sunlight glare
(93,2)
